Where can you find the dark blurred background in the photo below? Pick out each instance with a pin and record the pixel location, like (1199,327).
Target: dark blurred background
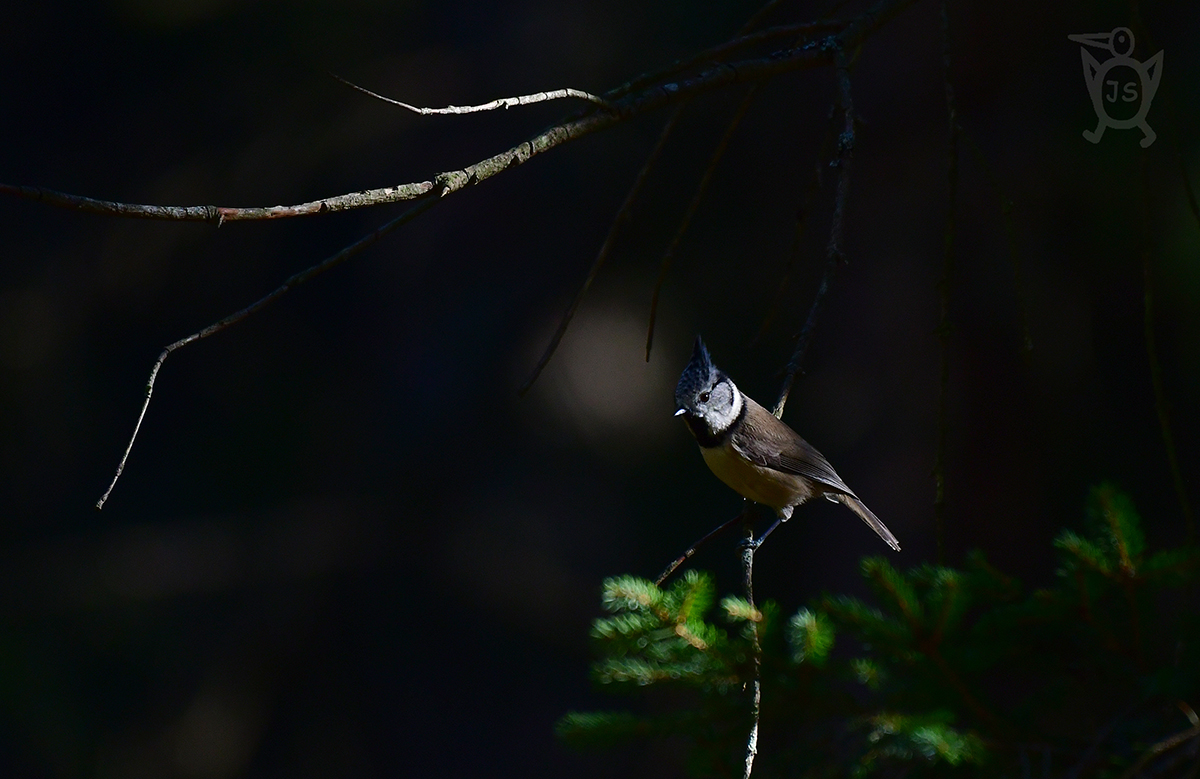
(343,546)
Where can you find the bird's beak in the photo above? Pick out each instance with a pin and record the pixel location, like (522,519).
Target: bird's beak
(680,411)
(1098,40)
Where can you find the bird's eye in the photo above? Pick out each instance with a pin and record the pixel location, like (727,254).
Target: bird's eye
(704,397)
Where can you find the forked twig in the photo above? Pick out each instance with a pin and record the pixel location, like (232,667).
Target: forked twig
(216,327)
(631,104)
(619,221)
(504,102)
(447,183)
(834,256)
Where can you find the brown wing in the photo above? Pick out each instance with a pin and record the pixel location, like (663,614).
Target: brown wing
(766,441)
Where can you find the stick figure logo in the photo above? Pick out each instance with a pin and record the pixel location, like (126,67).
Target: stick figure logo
(1121,88)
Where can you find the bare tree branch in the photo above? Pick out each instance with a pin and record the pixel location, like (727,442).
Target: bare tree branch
(809,55)
(216,327)
(817,53)
(504,102)
(744,40)
(749,546)
(745,515)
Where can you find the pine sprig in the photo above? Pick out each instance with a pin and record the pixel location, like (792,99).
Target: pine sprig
(946,670)
(810,636)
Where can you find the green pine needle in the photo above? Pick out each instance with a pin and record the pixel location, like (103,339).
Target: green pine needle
(810,634)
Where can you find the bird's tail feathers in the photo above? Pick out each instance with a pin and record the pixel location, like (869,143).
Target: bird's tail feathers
(859,508)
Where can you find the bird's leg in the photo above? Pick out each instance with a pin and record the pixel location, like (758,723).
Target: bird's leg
(758,541)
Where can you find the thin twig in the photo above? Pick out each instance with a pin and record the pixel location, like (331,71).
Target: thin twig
(678,561)
(810,196)
(974,704)
(216,327)
(1162,747)
(834,252)
(619,221)
(944,284)
(503,102)
(686,221)
(448,183)
(652,97)
(745,39)
(623,214)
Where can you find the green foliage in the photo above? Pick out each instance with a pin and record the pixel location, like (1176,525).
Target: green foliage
(949,670)
(810,635)
(924,740)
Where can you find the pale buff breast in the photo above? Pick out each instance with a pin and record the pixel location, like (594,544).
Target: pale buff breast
(762,485)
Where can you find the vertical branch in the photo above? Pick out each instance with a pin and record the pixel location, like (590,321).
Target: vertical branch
(834,252)
(686,221)
(834,256)
(1156,382)
(749,545)
(944,284)
(810,195)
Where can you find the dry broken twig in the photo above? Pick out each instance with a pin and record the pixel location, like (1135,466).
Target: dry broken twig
(504,102)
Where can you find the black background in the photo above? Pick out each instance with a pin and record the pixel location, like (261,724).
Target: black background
(343,546)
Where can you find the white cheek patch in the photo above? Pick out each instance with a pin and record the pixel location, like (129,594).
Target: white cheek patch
(720,420)
(736,409)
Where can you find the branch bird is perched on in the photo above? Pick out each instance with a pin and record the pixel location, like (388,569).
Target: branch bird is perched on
(751,450)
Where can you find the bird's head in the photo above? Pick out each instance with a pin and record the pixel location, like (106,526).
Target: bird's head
(706,395)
